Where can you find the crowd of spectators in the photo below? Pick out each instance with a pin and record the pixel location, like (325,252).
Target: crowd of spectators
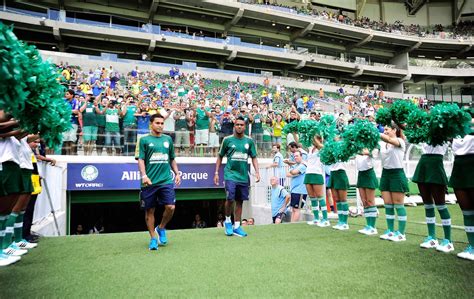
(455,31)
(111,110)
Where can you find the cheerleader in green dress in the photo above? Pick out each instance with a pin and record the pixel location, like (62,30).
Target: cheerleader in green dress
(432,183)
(393,183)
(366,184)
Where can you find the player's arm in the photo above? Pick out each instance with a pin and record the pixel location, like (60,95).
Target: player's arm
(177,176)
(216,173)
(392,141)
(145,179)
(257,171)
(293,172)
(287,202)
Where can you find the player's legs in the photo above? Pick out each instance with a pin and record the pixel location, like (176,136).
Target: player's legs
(465,198)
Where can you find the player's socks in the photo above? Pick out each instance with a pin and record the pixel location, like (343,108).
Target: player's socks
(366,216)
(324,208)
(315,208)
(345,211)
(468,216)
(402,218)
(340,216)
(9,229)
(228,219)
(431,220)
(390,216)
(3,220)
(236,224)
(18,227)
(445,220)
(371,216)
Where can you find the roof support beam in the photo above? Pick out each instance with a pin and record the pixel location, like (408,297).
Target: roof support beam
(469,80)
(414,47)
(238,15)
(152,10)
(360,43)
(300,65)
(459,53)
(232,55)
(57,33)
(359,71)
(458,11)
(152,45)
(301,32)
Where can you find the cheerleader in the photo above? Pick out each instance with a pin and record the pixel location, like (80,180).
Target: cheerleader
(393,183)
(366,184)
(463,183)
(314,182)
(432,181)
(339,184)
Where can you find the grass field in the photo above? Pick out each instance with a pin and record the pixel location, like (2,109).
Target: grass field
(290,260)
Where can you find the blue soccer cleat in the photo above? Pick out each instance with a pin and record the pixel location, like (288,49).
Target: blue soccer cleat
(153,244)
(240,232)
(162,235)
(228,228)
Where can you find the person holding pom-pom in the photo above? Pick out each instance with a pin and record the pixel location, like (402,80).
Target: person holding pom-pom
(314,182)
(393,183)
(367,183)
(432,181)
(463,184)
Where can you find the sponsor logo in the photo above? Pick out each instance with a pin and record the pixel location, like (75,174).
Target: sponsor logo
(89,173)
(166,144)
(246,146)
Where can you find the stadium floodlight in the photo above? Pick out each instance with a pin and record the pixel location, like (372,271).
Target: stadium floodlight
(42,21)
(273,24)
(288,27)
(163,38)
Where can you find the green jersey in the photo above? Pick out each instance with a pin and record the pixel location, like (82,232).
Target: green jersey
(157,152)
(129,117)
(88,116)
(100,118)
(202,120)
(257,127)
(112,120)
(237,151)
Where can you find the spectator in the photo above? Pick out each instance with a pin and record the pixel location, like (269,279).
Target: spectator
(70,136)
(198,222)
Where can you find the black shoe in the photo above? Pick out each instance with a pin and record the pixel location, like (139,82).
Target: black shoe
(32,238)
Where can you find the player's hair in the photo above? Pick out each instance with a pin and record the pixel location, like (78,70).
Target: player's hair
(240,118)
(71,92)
(293,144)
(157,115)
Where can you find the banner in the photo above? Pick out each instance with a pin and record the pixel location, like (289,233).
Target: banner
(126,176)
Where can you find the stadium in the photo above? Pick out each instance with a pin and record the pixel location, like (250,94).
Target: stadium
(321,81)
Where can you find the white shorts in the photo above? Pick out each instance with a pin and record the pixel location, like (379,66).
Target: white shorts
(213,139)
(202,137)
(182,138)
(70,135)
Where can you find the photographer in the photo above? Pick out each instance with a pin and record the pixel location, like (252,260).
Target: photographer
(182,117)
(129,125)
(112,127)
(89,109)
(227,126)
(257,119)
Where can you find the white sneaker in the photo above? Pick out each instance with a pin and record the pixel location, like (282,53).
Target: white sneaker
(324,223)
(467,254)
(386,235)
(337,226)
(429,242)
(314,222)
(6,260)
(372,231)
(398,237)
(344,227)
(23,244)
(365,230)
(14,250)
(445,246)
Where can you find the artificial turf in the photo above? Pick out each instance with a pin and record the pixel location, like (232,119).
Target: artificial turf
(289,260)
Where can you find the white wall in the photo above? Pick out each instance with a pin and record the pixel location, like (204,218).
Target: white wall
(347,4)
(371,10)
(441,13)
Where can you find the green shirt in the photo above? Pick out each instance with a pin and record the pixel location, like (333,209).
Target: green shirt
(112,120)
(237,151)
(100,118)
(129,117)
(89,116)
(202,120)
(157,152)
(257,124)
(181,123)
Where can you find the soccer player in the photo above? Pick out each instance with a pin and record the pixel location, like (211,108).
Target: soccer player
(463,184)
(280,200)
(314,182)
(297,187)
(393,182)
(237,148)
(432,183)
(156,159)
(367,183)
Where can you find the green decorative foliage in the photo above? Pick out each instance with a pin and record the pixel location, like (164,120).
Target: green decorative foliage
(326,127)
(400,111)
(362,134)
(29,90)
(447,121)
(332,152)
(416,129)
(291,128)
(383,117)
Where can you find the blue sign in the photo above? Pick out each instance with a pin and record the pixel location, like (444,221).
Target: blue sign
(126,176)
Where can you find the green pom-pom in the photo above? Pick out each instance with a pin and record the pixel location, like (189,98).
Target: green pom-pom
(333,151)
(291,128)
(416,129)
(326,127)
(305,131)
(383,117)
(362,134)
(447,121)
(400,111)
